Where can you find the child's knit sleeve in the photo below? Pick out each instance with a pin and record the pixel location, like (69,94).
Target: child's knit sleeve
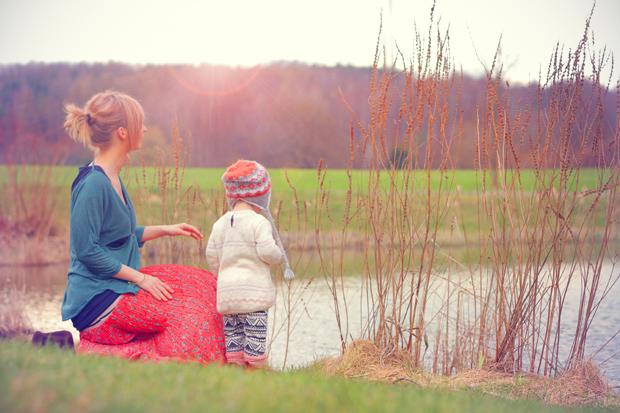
(266,246)
(214,247)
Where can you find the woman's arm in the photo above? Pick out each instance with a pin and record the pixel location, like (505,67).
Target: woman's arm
(86,223)
(152,232)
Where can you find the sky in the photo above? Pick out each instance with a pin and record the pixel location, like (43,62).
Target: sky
(329,32)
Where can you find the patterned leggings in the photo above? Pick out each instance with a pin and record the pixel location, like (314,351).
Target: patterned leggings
(246,338)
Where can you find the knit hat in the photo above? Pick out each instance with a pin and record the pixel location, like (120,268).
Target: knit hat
(249,181)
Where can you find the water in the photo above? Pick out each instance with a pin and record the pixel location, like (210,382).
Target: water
(37,293)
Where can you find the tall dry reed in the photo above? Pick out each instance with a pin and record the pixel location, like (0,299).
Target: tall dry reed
(537,242)
(162,194)
(30,233)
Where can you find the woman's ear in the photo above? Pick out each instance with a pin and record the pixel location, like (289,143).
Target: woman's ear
(122,133)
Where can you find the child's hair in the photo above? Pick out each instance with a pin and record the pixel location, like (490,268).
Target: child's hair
(94,124)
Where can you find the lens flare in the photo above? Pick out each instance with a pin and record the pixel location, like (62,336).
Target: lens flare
(226,88)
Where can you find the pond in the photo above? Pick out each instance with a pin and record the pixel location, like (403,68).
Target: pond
(37,293)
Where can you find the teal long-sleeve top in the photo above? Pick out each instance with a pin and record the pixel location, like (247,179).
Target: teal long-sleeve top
(104,236)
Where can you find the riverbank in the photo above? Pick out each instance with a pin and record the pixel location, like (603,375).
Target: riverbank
(55,381)
(30,299)
(582,385)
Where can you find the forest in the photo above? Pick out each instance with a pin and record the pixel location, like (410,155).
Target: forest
(284,114)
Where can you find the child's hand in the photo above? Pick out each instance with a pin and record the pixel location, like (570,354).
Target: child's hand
(184,230)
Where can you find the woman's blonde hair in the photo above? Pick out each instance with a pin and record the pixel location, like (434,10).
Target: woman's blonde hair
(94,124)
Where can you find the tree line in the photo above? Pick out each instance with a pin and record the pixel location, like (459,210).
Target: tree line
(282,114)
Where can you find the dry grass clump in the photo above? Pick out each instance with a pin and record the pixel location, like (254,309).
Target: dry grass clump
(364,359)
(17,248)
(14,324)
(582,384)
(480,378)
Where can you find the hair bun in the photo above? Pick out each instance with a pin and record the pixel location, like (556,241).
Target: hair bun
(95,123)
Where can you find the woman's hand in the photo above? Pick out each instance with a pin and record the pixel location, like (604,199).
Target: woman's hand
(156,287)
(185,230)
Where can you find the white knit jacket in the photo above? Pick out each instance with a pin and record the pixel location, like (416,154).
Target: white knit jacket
(239,252)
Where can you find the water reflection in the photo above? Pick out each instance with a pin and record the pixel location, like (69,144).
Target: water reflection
(37,292)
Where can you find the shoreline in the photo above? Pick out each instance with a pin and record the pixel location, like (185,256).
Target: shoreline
(583,387)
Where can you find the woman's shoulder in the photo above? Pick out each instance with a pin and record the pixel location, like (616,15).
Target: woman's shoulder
(91,182)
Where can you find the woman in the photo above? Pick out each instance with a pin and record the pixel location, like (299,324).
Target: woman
(118,308)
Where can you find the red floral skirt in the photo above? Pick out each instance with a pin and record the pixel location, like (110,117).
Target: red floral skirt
(187,327)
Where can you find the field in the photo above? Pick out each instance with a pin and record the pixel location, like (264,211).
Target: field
(304,180)
(28,182)
(54,381)
(303,201)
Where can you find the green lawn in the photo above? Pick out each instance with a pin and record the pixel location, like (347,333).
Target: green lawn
(305,180)
(53,381)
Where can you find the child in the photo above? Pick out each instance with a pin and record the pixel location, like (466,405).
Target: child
(242,246)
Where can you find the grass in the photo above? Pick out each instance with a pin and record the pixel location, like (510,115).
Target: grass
(143,186)
(304,180)
(54,381)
